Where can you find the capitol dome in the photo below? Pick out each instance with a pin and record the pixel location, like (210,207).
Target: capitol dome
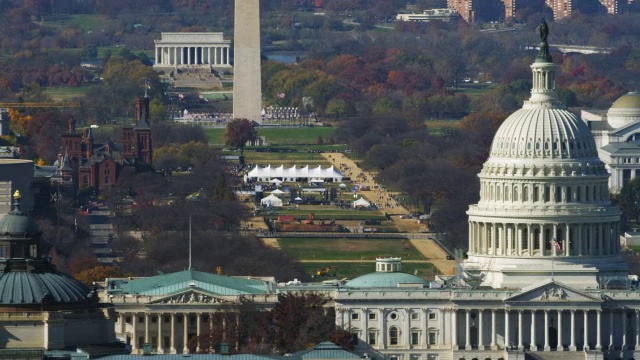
(544,209)
(17,223)
(625,110)
(387,275)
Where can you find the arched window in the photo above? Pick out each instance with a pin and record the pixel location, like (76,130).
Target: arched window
(558,194)
(506,193)
(578,193)
(525,193)
(498,195)
(569,194)
(515,194)
(393,336)
(536,193)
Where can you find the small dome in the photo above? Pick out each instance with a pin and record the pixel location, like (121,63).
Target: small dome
(543,133)
(385,280)
(18,223)
(32,288)
(625,110)
(628,101)
(387,275)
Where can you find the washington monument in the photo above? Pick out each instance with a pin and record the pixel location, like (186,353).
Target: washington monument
(247,88)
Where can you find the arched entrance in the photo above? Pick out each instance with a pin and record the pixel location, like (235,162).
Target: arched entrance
(553,337)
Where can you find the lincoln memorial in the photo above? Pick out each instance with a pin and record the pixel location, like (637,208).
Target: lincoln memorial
(179,49)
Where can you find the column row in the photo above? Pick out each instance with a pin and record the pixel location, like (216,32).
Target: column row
(163,332)
(547,330)
(564,239)
(192,55)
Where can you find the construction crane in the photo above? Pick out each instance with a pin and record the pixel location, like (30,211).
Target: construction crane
(39,105)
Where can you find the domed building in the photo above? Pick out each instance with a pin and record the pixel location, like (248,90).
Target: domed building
(543,279)
(617,136)
(41,308)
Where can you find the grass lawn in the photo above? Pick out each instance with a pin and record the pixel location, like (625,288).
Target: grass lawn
(66,93)
(354,269)
(86,22)
(281,136)
(634,248)
(348,249)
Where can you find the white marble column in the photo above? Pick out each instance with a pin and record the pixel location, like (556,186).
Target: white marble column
(160,337)
(533,345)
(383,333)
(123,327)
(172,349)
(507,340)
(546,331)
(227,62)
(598,327)
(441,327)
(198,320)
(134,335)
(494,345)
(611,345)
(185,334)
(520,340)
(189,55)
(560,346)
(146,328)
(637,329)
(407,328)
(624,331)
(467,329)
(572,345)
(454,329)
(480,332)
(586,330)
(157,55)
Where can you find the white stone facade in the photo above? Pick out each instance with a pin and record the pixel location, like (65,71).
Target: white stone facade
(192,49)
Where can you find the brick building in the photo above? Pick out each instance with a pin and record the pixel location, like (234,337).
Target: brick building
(98,165)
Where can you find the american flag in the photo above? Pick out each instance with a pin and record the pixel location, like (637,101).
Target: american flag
(557,245)
(281,95)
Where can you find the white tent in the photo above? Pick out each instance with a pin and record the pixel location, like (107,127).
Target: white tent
(361,203)
(271,200)
(298,199)
(294,173)
(342,186)
(277,192)
(276,181)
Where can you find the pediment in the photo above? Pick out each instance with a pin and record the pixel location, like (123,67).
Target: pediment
(191,297)
(553,292)
(627,130)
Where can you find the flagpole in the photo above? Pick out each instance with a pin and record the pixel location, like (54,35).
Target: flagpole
(189,242)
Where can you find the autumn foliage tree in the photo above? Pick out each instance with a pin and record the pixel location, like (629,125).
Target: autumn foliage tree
(238,133)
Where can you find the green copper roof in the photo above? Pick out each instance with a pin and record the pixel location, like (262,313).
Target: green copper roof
(385,279)
(167,284)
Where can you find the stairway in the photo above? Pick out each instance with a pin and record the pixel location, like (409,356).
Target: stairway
(554,355)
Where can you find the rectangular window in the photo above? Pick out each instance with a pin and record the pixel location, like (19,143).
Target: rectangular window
(433,337)
(5,251)
(433,316)
(140,319)
(372,337)
(140,341)
(167,341)
(127,319)
(432,356)
(355,316)
(415,337)
(372,316)
(415,316)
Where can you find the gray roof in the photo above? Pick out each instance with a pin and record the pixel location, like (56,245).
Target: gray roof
(196,357)
(32,288)
(18,223)
(623,148)
(326,350)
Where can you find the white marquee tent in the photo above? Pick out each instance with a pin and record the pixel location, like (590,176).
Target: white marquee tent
(293,174)
(271,200)
(361,203)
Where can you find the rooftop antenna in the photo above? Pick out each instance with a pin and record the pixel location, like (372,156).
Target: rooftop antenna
(189,242)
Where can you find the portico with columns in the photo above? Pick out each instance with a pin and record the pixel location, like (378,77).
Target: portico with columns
(170,311)
(192,49)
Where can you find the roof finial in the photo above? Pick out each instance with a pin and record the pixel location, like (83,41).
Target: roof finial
(544,55)
(17,196)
